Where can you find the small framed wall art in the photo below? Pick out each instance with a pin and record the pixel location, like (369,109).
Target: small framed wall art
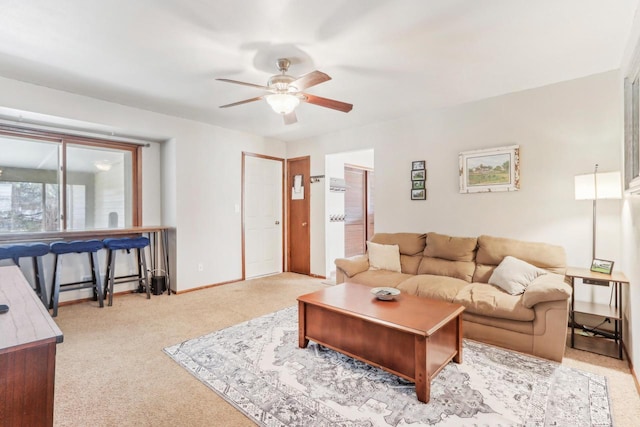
(419,194)
(417,185)
(418,180)
(490,170)
(419,175)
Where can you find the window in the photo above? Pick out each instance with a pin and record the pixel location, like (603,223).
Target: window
(632,125)
(98,178)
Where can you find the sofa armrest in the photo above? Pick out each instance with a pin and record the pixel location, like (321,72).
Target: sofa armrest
(548,287)
(349,267)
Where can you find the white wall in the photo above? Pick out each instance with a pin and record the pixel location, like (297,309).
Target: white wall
(562,130)
(191,182)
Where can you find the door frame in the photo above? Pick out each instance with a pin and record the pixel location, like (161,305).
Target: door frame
(285,219)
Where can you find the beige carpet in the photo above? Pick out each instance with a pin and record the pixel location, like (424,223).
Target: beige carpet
(111,370)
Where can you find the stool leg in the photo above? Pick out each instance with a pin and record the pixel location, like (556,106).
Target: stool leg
(111,273)
(41,286)
(97,279)
(55,294)
(142,263)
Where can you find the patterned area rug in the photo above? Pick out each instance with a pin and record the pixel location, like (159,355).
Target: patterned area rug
(257,367)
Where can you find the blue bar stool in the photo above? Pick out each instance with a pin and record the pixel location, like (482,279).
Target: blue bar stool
(35,251)
(90,247)
(113,245)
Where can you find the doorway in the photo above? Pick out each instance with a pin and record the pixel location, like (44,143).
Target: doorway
(262,202)
(335,198)
(358,208)
(298,193)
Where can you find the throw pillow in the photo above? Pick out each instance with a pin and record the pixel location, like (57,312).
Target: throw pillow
(384,257)
(514,275)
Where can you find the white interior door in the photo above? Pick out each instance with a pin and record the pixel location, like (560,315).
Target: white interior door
(262,216)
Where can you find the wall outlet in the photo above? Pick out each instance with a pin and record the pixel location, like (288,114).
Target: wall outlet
(200,266)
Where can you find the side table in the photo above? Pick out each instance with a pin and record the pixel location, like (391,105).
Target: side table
(615,279)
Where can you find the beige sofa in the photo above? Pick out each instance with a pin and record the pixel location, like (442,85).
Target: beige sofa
(458,269)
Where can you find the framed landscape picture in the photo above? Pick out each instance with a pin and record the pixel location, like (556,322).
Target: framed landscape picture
(489,170)
(417,185)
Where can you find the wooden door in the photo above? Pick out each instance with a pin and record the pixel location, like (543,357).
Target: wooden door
(370,210)
(263,215)
(358,208)
(298,193)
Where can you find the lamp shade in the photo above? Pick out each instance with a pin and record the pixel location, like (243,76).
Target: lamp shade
(606,185)
(282,103)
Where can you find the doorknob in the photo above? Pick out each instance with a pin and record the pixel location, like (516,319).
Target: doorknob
(277,222)
(304,224)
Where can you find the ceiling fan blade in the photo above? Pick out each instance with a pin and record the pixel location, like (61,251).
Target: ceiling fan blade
(290,118)
(328,103)
(243,83)
(257,98)
(310,79)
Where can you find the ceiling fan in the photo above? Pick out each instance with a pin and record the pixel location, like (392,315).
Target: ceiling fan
(285,92)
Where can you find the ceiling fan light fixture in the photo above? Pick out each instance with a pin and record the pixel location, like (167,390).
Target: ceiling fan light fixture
(282,103)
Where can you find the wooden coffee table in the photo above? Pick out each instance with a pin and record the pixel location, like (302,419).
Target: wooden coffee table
(411,337)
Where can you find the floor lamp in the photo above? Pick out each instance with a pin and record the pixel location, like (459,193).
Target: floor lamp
(597,186)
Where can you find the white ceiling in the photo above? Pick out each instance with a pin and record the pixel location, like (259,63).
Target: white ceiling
(388,58)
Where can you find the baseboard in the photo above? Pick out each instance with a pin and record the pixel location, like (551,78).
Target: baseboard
(89,299)
(633,372)
(213,285)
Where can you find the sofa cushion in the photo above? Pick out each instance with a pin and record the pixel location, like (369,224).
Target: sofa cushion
(449,256)
(492,250)
(430,286)
(383,257)
(514,275)
(410,263)
(459,269)
(450,248)
(409,243)
(375,278)
(489,300)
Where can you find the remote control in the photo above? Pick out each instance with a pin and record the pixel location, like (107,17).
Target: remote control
(4,308)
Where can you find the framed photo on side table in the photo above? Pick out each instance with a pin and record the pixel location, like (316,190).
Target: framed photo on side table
(601,266)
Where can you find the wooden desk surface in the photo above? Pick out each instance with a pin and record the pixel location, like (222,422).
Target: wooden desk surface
(585,273)
(27,321)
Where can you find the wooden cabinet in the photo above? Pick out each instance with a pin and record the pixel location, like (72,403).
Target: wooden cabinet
(28,338)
